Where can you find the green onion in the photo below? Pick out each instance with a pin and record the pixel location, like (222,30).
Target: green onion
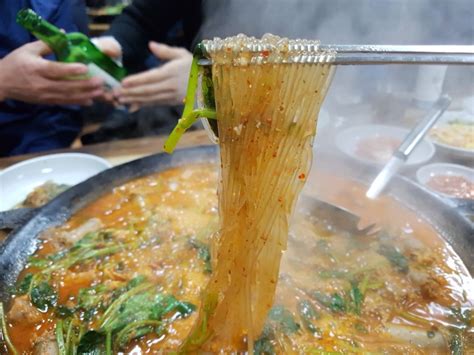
(190,115)
(69,337)
(183,124)
(108,343)
(60,337)
(10,345)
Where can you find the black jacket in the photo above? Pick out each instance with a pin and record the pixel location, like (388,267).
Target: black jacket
(155,20)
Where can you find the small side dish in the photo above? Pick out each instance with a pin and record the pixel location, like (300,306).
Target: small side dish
(33,182)
(452,185)
(42,194)
(448,180)
(374,144)
(459,134)
(378,149)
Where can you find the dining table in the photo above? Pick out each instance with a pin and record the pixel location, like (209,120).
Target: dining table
(119,151)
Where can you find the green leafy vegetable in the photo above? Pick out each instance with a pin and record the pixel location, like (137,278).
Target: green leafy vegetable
(91,343)
(335,302)
(456,343)
(463,316)
(91,297)
(348,301)
(207,88)
(43,296)
(397,259)
(138,329)
(64,311)
(322,298)
(283,319)
(24,286)
(138,280)
(136,308)
(92,245)
(338,303)
(264,345)
(146,306)
(203,253)
(38,262)
(308,314)
(91,300)
(356,298)
(279,320)
(59,255)
(200,333)
(139,311)
(114,308)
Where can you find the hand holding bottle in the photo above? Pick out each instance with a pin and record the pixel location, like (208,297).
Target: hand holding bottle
(110,46)
(26,76)
(165,84)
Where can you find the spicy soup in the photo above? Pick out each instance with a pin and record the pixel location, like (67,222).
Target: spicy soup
(124,275)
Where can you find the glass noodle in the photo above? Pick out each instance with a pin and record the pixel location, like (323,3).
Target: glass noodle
(268,93)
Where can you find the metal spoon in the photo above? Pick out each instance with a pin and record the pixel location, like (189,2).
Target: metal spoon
(410,142)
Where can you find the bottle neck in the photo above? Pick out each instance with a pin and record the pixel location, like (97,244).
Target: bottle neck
(42,29)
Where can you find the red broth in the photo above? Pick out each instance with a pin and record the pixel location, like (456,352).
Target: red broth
(137,259)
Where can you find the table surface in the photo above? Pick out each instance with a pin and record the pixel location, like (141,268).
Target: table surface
(120,151)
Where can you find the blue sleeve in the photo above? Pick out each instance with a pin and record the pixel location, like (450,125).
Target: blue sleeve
(58,12)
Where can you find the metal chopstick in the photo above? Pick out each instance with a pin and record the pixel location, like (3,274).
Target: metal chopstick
(402,54)
(397,54)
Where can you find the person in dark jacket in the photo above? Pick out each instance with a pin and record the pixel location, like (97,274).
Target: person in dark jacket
(337,22)
(143,28)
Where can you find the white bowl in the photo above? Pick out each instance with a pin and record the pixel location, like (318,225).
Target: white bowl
(18,180)
(348,141)
(425,173)
(449,150)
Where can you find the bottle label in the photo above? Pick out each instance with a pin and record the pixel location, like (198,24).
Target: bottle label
(109,81)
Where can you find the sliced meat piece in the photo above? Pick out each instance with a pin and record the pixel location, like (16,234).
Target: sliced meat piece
(61,238)
(43,194)
(46,345)
(22,311)
(91,225)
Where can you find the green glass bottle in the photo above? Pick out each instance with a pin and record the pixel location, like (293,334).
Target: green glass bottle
(73,47)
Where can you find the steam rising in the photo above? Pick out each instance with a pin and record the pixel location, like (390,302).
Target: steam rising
(353,22)
(344,21)
(362,94)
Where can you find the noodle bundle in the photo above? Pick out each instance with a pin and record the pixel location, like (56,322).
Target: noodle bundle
(268,94)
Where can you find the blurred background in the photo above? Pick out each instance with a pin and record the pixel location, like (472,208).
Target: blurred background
(381,94)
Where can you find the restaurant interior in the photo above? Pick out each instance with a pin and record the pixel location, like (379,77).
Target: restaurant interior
(235,177)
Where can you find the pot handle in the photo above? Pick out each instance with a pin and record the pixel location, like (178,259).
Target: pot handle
(15,218)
